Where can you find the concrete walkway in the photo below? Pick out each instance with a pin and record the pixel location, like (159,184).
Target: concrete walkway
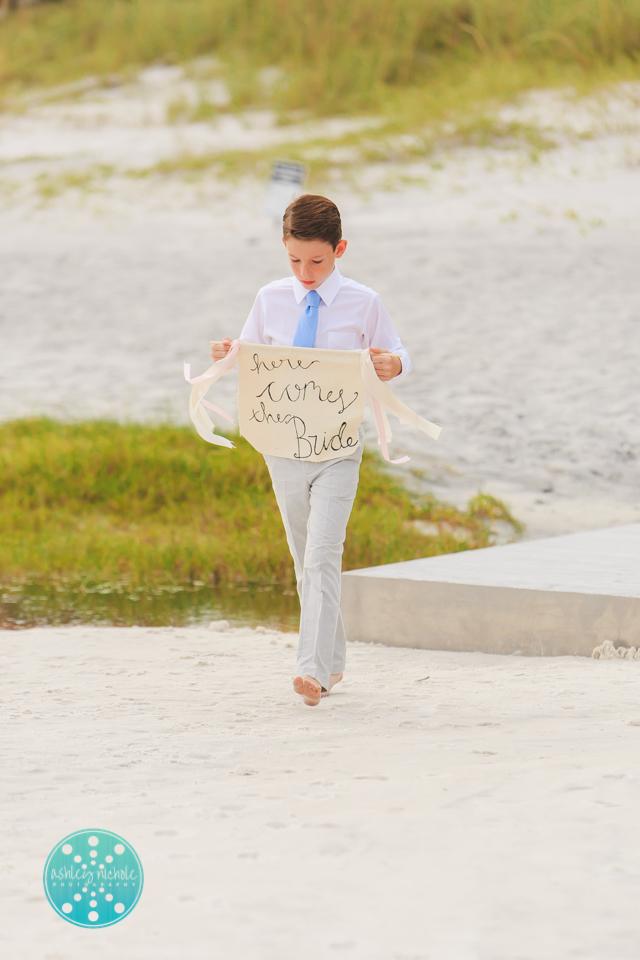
(562,595)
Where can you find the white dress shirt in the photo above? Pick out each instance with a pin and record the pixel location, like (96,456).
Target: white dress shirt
(350,317)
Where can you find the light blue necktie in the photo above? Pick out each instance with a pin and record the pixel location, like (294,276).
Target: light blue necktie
(308,322)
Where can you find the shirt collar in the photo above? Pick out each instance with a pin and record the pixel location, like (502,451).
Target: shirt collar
(327,290)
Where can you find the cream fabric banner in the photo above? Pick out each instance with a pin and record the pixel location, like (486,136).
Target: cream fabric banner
(302,403)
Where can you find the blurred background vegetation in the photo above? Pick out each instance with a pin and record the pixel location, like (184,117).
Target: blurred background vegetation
(156,504)
(106,509)
(331,56)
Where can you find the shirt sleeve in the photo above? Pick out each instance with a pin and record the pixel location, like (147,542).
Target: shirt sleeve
(253,330)
(381,332)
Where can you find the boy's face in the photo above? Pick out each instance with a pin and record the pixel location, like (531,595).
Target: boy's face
(312,260)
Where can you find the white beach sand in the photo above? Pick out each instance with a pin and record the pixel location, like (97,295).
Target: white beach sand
(436,807)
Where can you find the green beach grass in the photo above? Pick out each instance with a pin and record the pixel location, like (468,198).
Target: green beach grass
(429,72)
(400,58)
(98,501)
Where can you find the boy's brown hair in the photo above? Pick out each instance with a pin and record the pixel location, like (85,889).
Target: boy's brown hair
(311,217)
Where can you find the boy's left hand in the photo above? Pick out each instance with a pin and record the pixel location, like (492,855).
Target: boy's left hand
(388,365)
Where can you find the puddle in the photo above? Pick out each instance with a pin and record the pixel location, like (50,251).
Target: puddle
(109,604)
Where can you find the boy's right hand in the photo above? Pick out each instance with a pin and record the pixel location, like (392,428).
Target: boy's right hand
(220,348)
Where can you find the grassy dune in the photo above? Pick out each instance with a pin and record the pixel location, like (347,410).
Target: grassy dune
(395,56)
(98,501)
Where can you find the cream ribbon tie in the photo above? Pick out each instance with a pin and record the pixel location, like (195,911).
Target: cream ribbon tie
(383,399)
(203,423)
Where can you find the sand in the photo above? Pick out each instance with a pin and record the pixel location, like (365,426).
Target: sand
(511,274)
(436,807)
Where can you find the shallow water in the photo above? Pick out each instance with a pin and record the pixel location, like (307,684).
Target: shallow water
(35,604)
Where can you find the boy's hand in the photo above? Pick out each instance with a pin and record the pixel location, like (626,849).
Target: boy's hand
(220,348)
(387,365)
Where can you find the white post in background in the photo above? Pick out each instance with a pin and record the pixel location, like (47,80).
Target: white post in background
(287,181)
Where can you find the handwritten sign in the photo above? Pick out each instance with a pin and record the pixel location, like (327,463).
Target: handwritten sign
(301,403)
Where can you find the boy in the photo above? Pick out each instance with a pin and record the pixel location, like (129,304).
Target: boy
(315,499)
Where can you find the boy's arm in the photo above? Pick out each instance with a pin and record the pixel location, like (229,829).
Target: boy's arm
(252,332)
(390,358)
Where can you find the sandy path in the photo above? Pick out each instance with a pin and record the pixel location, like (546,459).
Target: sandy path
(523,337)
(514,283)
(437,807)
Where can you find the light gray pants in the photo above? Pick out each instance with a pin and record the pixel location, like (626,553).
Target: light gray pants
(315,501)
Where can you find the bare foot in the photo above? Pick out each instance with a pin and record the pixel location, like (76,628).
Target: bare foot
(309,689)
(333,679)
